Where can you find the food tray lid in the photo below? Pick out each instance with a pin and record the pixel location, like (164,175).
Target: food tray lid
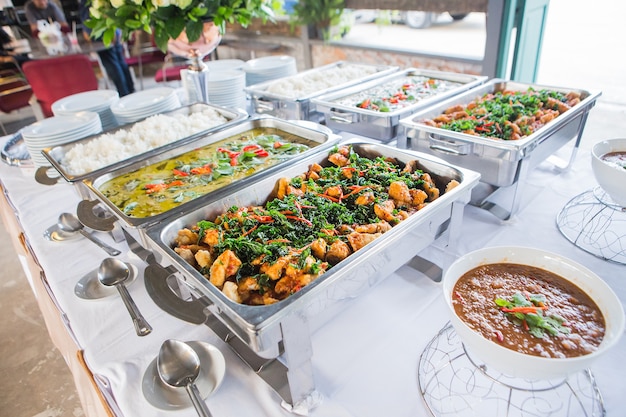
(56,154)
(260,90)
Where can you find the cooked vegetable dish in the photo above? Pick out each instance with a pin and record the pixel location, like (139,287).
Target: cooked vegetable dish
(398,94)
(529,310)
(508,115)
(615,159)
(159,187)
(259,255)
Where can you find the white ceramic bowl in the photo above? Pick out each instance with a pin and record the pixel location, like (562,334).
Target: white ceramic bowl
(611,179)
(521,365)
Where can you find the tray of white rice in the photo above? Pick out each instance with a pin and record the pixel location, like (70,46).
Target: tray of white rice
(93,155)
(290,97)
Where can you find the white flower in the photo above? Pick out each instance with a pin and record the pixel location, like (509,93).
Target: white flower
(182,4)
(137,2)
(95,13)
(117,3)
(161,3)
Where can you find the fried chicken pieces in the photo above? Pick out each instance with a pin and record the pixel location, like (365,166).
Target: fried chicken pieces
(260,255)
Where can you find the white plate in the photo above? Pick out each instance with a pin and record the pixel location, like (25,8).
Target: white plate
(165,397)
(90,288)
(269,64)
(88,100)
(59,125)
(143,99)
(225,64)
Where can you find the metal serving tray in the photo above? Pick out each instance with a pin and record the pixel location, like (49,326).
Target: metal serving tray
(384,125)
(56,154)
(501,163)
(268,331)
(300,108)
(322,139)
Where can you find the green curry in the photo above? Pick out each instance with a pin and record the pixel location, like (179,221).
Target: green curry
(164,185)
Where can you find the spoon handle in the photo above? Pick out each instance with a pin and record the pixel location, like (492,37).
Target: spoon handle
(142,328)
(111,251)
(196,399)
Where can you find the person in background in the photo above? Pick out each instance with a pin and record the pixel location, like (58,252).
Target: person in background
(6,50)
(112,57)
(44,10)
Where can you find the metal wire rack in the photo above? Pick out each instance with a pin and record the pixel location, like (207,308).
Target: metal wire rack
(453,383)
(595,224)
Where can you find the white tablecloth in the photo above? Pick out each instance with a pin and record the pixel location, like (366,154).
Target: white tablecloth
(365,358)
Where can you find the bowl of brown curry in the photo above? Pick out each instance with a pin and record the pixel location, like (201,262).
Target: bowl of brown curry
(529,313)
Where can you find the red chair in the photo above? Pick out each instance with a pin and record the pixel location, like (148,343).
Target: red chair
(15,94)
(54,78)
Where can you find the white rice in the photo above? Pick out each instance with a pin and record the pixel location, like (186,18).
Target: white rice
(155,131)
(316,81)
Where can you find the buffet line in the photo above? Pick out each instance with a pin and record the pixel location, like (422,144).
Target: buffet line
(209,222)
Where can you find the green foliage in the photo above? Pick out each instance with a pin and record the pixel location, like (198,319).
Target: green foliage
(320,13)
(168,18)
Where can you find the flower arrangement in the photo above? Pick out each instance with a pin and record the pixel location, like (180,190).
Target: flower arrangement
(167,19)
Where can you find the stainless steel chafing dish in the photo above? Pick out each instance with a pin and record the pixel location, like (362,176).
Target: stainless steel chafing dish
(502,164)
(56,154)
(319,138)
(384,125)
(300,108)
(275,339)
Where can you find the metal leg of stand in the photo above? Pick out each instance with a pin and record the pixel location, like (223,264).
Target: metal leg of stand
(292,380)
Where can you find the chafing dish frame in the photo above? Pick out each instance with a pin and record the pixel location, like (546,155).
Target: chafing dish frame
(384,126)
(56,154)
(275,340)
(503,164)
(301,108)
(323,137)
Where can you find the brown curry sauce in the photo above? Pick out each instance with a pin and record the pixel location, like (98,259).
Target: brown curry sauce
(474,296)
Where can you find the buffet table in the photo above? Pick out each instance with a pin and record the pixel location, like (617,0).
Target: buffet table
(365,356)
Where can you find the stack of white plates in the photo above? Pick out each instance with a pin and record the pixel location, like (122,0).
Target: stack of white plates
(225,64)
(98,101)
(142,104)
(269,68)
(58,130)
(226,88)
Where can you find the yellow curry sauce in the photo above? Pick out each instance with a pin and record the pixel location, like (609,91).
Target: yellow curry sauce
(164,185)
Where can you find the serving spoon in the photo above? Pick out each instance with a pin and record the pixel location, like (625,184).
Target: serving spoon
(113,272)
(69,223)
(179,365)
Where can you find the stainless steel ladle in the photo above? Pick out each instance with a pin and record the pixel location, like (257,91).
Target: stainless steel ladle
(69,223)
(179,366)
(113,272)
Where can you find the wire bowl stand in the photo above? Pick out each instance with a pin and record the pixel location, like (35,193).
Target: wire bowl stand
(593,222)
(453,383)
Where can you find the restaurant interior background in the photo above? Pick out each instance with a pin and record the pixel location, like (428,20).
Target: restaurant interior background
(582,46)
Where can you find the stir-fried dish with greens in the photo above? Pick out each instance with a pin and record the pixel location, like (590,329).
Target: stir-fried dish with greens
(164,185)
(258,255)
(508,115)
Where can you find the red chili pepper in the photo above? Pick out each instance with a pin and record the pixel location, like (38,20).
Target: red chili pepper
(205,169)
(365,103)
(300,219)
(180,173)
(261,153)
(251,148)
(499,336)
(233,161)
(278,144)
